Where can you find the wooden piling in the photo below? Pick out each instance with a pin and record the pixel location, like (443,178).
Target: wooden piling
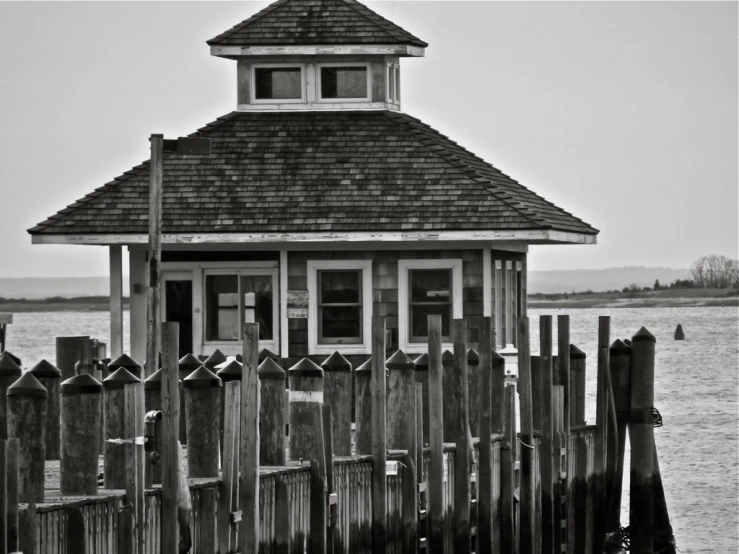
(562,384)
(9,373)
(409,534)
(379,437)
(230,372)
(249,443)
(601,434)
(125,361)
(68,353)
(449,378)
(3,495)
(401,403)
(526,489)
(422,378)
(230,468)
(473,374)
(133,427)
(272,413)
(507,485)
(81,422)
(482,396)
(170,432)
(153,401)
(186,365)
(14,478)
(436,442)
(620,367)
(282,517)
(306,390)
(50,378)
(202,408)
(337,390)
(462,455)
(664,540)
(114,402)
(548,465)
(27,532)
(363,409)
(641,434)
(328,451)
(577,386)
(497,393)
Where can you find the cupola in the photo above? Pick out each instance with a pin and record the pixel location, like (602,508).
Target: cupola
(317,55)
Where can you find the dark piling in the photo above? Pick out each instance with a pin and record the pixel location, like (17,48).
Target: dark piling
(337,385)
(203,406)
(50,377)
(272,413)
(114,401)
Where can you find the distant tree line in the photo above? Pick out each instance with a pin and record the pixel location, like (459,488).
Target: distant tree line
(715,272)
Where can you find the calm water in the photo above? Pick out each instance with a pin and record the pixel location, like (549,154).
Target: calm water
(696,392)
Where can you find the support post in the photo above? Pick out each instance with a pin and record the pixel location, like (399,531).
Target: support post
(170,432)
(409,533)
(620,367)
(155,254)
(134,459)
(229,467)
(577,386)
(401,404)
(379,438)
(507,458)
(153,401)
(14,494)
(68,353)
(332,512)
(601,433)
(526,489)
(202,390)
(436,442)
(562,379)
(249,441)
(363,409)
(337,384)
(422,378)
(548,456)
(483,396)
(462,455)
(50,378)
(306,391)
(272,414)
(449,385)
(114,403)
(3,495)
(115,256)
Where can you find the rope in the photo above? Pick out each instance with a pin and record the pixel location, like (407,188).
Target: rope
(526,445)
(137,440)
(640,415)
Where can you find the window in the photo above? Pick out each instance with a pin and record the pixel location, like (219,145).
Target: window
(344,82)
(427,287)
(339,306)
(222,307)
(278,83)
(393,85)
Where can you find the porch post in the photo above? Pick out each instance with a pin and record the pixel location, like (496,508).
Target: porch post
(284,346)
(116,300)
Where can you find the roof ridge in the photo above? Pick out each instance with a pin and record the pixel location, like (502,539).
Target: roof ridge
(477,178)
(249,20)
(361,10)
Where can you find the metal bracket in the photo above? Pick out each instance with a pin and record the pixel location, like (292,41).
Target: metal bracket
(333,498)
(236,516)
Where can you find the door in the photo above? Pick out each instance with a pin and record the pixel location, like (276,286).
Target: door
(177,306)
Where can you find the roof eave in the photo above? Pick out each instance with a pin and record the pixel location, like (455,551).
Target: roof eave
(234,52)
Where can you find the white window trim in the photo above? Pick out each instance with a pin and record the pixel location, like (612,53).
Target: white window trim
(303,86)
(404,266)
(392,93)
(319,89)
(272,345)
(314,266)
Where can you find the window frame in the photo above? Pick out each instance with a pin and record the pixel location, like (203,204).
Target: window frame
(303,83)
(392,88)
(319,85)
(317,347)
(405,266)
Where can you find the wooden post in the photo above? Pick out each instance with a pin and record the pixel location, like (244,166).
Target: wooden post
(577,386)
(507,485)
(449,378)
(14,495)
(436,442)
(153,315)
(482,396)
(620,367)
(379,438)
(50,378)
(664,541)
(473,367)
(27,400)
(527,523)
(562,380)
(282,517)
(549,466)
(27,533)
(215,359)
(497,394)
(114,403)
(125,361)
(9,373)
(328,448)
(409,533)
(363,409)
(422,377)
(230,467)
(641,433)
(3,495)
(170,431)
(272,414)
(86,364)
(462,455)
(401,404)
(202,408)
(133,427)
(337,386)
(153,401)
(81,411)
(187,364)
(115,257)
(317,513)
(76,531)
(601,434)
(306,390)
(230,372)
(249,441)
(68,353)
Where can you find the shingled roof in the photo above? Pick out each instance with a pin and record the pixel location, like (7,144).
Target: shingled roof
(310,22)
(318,171)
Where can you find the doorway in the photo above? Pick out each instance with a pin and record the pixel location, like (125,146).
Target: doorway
(178,308)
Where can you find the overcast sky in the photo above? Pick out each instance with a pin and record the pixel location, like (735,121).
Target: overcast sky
(624,113)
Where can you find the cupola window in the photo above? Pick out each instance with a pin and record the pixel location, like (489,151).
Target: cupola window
(278,83)
(344,82)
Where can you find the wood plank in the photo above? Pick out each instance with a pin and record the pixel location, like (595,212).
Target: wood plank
(170,433)
(527,526)
(507,485)
(229,465)
(76,531)
(116,300)
(328,447)
(462,456)
(28,529)
(485,463)
(379,438)
(153,293)
(284,343)
(548,451)
(13,476)
(436,506)
(601,432)
(409,502)
(249,441)
(282,517)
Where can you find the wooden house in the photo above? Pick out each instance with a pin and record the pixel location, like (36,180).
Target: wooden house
(322,203)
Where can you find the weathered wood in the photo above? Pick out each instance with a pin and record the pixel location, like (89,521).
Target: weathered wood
(170,432)
(134,481)
(337,385)
(379,438)
(202,390)
(401,403)
(473,379)
(76,531)
(409,535)
(483,398)
(27,537)
(547,463)
(282,517)
(562,379)
(436,507)
(114,403)
(363,408)
(664,541)
(12,466)
(449,385)
(641,435)
(601,433)
(419,432)
(68,353)
(27,400)
(207,528)
(229,467)
(306,391)
(328,449)
(507,485)
(187,364)
(50,377)
(462,456)
(153,290)
(152,402)
(272,413)
(115,257)
(620,367)
(3,495)
(249,441)
(422,378)
(577,386)
(526,517)
(317,507)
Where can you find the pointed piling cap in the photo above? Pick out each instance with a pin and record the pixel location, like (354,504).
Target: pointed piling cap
(264,354)
(619,348)
(84,383)
(306,368)
(230,372)
(154,381)
(576,353)
(28,385)
(473,358)
(447,359)
(366,366)
(399,361)
(13,357)
(188,363)
(270,369)
(8,366)
(422,362)
(642,335)
(679,332)
(46,370)
(217,358)
(336,362)
(496,360)
(201,378)
(119,379)
(124,360)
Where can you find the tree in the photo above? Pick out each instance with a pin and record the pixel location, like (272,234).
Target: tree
(715,271)
(657,286)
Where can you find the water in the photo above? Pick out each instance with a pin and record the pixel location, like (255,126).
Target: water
(695,391)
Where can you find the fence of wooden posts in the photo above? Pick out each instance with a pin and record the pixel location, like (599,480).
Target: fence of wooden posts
(414,480)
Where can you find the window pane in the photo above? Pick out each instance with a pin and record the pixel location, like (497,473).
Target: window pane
(222,307)
(391,82)
(341,323)
(343,82)
(431,285)
(257,291)
(277,83)
(419,320)
(340,287)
